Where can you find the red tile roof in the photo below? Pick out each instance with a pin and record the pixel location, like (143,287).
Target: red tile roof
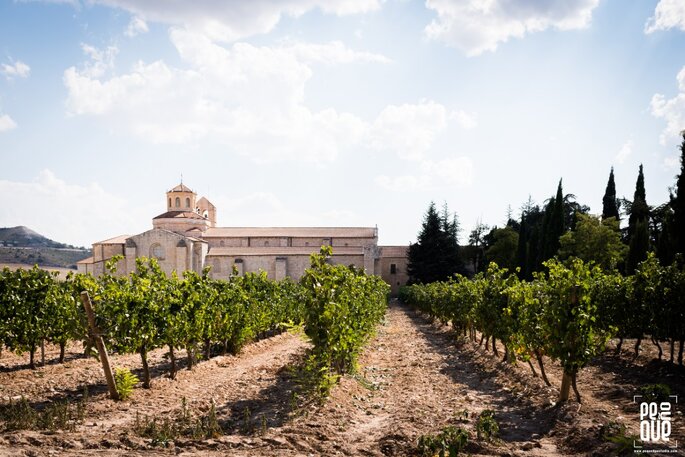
(179,214)
(181,188)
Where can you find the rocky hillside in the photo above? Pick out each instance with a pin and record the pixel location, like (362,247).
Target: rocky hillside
(21,245)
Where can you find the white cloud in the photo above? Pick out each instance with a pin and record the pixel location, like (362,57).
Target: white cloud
(248,98)
(69,213)
(135,27)
(672,162)
(465,120)
(333,53)
(231,20)
(453,172)
(265,209)
(410,130)
(671,110)
(7,123)
(477,26)
(625,152)
(667,15)
(18,69)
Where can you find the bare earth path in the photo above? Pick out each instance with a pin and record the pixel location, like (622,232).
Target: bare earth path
(414,383)
(414,378)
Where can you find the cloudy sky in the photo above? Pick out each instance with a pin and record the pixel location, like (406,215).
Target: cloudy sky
(331,112)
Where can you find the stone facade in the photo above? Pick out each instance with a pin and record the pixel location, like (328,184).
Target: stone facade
(185,237)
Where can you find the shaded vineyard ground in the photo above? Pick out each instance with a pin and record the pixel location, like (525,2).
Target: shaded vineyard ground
(415,377)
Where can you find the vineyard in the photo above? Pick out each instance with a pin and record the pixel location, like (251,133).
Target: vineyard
(206,367)
(568,313)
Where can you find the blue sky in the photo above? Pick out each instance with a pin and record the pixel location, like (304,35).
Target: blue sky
(338,112)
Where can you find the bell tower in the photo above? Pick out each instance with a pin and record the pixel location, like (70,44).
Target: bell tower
(181,198)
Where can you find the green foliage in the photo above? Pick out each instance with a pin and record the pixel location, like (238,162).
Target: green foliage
(448,443)
(594,240)
(183,423)
(125,382)
(677,226)
(655,392)
(504,248)
(570,316)
(60,415)
(487,427)
(609,201)
(638,226)
(614,432)
(342,307)
(435,255)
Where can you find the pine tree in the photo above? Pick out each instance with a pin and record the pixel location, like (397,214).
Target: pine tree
(609,202)
(435,255)
(638,226)
(678,205)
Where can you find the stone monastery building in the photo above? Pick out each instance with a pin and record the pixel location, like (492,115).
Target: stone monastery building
(186,237)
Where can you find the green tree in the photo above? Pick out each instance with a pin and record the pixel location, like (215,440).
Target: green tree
(638,226)
(522,248)
(678,205)
(594,240)
(435,255)
(609,201)
(553,226)
(503,250)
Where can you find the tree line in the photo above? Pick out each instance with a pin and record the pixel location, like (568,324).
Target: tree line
(562,228)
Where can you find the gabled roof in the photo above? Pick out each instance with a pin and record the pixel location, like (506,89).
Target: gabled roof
(181,188)
(179,214)
(168,233)
(121,239)
(301,232)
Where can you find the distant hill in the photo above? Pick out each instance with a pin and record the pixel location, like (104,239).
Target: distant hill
(24,237)
(21,245)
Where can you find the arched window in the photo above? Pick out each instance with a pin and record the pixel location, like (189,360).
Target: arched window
(187,202)
(266,243)
(221,243)
(178,202)
(169,203)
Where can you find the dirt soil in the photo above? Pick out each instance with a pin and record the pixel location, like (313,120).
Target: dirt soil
(415,378)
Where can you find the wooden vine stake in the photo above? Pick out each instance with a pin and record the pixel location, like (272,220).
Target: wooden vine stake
(99,342)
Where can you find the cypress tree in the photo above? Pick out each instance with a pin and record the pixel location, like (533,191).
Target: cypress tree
(678,205)
(638,226)
(522,249)
(609,202)
(558,226)
(553,225)
(545,234)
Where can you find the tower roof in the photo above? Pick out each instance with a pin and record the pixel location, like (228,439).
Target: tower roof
(181,188)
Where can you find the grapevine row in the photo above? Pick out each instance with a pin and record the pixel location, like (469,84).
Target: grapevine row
(567,313)
(338,305)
